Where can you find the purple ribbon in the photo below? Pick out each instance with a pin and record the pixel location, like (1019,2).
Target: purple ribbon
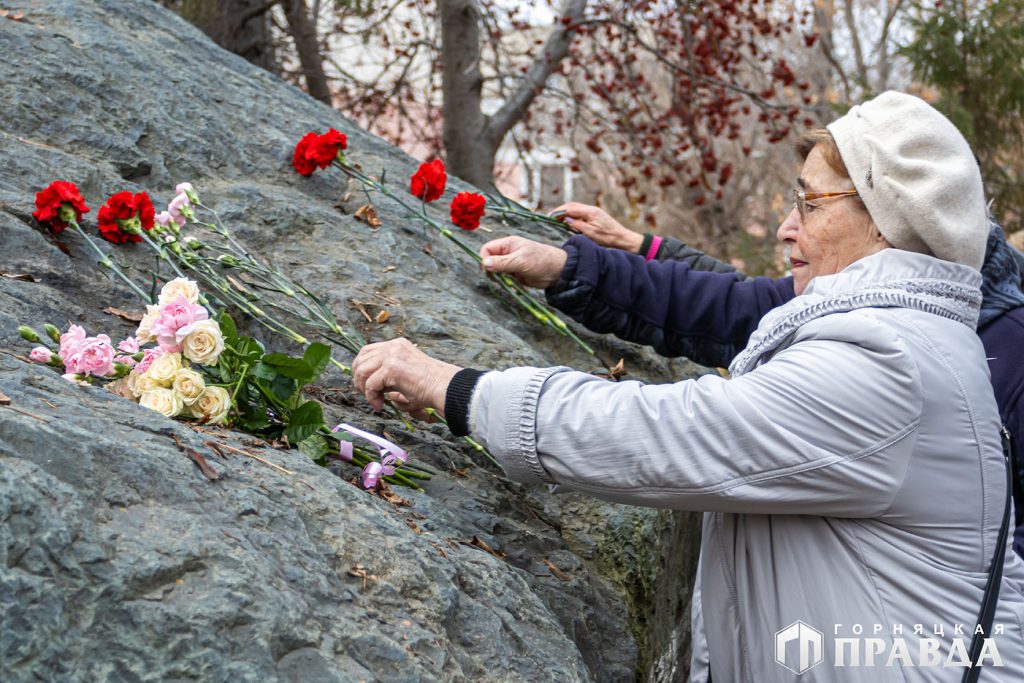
(389,454)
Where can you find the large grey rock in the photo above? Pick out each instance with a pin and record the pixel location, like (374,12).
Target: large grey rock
(119,561)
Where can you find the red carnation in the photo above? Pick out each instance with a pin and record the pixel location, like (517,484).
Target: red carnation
(326,148)
(467,208)
(302,160)
(124,216)
(57,203)
(428,181)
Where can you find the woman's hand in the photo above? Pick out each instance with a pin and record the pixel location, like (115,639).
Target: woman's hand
(532,263)
(596,224)
(399,371)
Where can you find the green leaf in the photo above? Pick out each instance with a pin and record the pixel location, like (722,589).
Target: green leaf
(283,387)
(315,448)
(263,371)
(305,421)
(296,368)
(317,356)
(228,328)
(256,424)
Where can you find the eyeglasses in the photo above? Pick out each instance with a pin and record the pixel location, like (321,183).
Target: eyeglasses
(800,198)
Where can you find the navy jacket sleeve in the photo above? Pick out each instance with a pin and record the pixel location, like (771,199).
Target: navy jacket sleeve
(704,316)
(672,249)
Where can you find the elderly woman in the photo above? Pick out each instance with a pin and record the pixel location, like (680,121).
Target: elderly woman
(851,467)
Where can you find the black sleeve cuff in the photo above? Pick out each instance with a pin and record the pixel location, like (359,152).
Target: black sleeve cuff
(645,246)
(457,399)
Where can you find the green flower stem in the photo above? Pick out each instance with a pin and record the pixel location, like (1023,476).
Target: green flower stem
(161,251)
(518,293)
(108,262)
(476,446)
(509,209)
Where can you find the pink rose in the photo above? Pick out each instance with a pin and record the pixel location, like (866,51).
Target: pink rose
(70,340)
(173,317)
(148,356)
(40,354)
(93,356)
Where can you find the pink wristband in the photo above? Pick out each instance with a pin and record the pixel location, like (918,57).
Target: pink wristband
(652,251)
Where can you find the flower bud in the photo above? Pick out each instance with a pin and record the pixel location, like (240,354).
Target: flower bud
(121,369)
(29,335)
(52,332)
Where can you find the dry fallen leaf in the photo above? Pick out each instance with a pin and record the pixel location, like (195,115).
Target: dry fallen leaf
(129,316)
(238,284)
(388,269)
(411,523)
(359,306)
(439,548)
(619,369)
(461,472)
(367,213)
(120,387)
(427,249)
(556,572)
(24,277)
(345,197)
(382,316)
(478,542)
(385,492)
(361,572)
(5,400)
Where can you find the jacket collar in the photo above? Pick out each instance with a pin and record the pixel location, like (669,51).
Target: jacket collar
(892,278)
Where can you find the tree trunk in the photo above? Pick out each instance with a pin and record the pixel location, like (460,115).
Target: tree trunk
(303,32)
(239,26)
(469,155)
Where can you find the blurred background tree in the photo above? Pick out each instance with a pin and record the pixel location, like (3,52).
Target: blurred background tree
(666,112)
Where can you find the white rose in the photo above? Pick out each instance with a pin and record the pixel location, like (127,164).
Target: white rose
(189,385)
(179,286)
(140,383)
(212,406)
(142,334)
(203,342)
(164,368)
(163,401)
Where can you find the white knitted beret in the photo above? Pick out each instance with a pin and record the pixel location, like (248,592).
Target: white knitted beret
(917,176)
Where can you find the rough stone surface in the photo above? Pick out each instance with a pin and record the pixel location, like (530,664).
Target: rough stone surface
(120,562)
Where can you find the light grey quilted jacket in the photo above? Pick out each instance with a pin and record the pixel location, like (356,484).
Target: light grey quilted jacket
(851,469)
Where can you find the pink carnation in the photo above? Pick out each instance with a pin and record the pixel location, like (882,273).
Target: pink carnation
(129,345)
(40,354)
(174,208)
(91,356)
(173,317)
(148,356)
(183,188)
(70,340)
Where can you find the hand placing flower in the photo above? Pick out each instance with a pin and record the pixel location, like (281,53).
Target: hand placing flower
(59,204)
(428,182)
(467,208)
(532,263)
(397,367)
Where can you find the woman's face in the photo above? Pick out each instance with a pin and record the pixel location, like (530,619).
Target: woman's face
(835,232)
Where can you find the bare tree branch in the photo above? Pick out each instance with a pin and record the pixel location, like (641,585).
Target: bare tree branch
(555,50)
